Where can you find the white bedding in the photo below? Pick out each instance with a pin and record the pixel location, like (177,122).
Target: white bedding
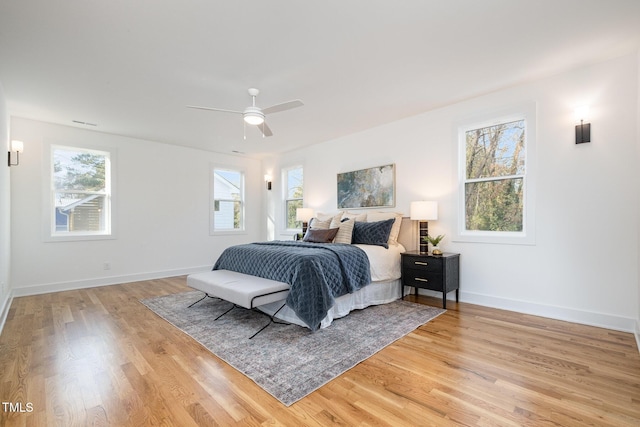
(384,287)
(385,263)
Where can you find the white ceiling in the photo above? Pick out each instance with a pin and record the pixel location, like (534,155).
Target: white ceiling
(131,66)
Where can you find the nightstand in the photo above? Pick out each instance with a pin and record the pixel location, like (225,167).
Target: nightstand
(434,272)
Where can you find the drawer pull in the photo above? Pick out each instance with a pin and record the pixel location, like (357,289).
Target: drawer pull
(421,280)
(420,263)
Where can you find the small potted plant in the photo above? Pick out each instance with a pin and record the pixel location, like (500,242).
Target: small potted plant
(435,250)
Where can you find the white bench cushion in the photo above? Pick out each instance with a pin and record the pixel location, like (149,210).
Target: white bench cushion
(241,289)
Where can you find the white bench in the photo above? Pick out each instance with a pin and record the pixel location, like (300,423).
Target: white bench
(240,289)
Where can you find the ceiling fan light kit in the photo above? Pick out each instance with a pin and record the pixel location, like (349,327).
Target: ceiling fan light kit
(254,115)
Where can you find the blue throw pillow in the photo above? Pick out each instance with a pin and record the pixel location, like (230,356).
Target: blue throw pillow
(372,233)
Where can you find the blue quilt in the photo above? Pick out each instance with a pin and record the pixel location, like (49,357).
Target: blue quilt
(316,272)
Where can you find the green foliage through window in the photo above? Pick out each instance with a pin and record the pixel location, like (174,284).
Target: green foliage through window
(294,178)
(494,177)
(81,191)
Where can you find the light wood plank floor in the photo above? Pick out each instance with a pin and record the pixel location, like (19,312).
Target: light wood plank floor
(98,357)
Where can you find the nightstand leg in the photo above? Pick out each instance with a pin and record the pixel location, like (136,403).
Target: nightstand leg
(444,300)
(457,295)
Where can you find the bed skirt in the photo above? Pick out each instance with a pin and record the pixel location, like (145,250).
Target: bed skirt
(374,294)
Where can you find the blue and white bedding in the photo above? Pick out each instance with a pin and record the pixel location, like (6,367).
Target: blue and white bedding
(317,273)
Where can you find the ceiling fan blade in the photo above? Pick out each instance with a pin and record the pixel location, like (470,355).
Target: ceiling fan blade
(282,107)
(214,109)
(266,131)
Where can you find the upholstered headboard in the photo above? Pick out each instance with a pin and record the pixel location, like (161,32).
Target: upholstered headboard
(408,236)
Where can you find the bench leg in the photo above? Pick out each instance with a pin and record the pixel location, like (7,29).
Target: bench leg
(232,307)
(270,320)
(205,295)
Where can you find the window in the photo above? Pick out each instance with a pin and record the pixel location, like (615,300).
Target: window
(496,175)
(293,182)
(227,200)
(80,196)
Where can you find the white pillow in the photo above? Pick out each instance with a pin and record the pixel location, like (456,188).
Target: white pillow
(395,229)
(345,232)
(355,215)
(319,224)
(328,216)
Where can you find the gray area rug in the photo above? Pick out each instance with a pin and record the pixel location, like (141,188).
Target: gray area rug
(289,361)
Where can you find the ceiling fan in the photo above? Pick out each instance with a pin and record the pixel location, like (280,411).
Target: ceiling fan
(255,115)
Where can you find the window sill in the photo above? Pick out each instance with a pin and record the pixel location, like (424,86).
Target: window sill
(291,231)
(504,238)
(78,237)
(227,232)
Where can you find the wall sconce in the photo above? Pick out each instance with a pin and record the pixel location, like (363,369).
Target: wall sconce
(304,215)
(583,130)
(423,211)
(267,179)
(17,147)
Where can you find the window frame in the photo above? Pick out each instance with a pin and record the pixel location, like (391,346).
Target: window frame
(49,232)
(212,201)
(286,199)
(526,112)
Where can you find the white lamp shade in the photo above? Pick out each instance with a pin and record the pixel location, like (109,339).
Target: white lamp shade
(424,210)
(304,214)
(581,112)
(17,146)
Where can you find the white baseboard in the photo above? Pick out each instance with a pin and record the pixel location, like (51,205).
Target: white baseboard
(617,323)
(4,308)
(637,334)
(46,288)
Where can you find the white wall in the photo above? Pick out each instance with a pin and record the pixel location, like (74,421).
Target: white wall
(5,209)
(161,216)
(584,265)
(637,331)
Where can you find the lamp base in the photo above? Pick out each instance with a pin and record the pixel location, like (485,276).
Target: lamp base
(423,232)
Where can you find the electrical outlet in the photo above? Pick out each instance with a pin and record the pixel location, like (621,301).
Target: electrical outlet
(106,266)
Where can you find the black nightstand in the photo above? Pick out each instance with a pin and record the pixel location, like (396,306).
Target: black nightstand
(434,272)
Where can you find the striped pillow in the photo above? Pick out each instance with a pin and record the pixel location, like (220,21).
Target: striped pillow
(345,232)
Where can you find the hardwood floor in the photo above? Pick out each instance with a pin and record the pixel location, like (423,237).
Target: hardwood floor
(99,357)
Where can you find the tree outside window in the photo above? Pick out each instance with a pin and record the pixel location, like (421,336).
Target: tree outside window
(495,177)
(294,180)
(81,191)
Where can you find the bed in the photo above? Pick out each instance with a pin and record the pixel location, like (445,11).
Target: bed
(370,273)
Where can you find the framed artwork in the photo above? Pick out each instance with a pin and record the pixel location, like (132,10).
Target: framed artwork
(368,188)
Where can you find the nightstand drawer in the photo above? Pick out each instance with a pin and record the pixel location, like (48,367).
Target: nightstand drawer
(424,280)
(428,264)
